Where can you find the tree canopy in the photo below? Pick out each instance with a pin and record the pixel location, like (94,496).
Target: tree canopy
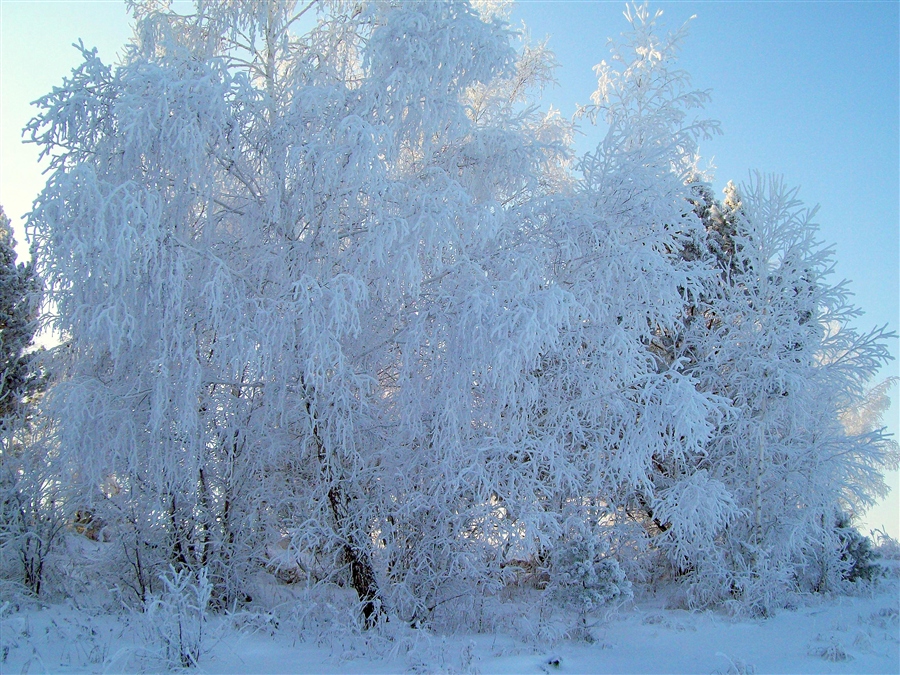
(343,305)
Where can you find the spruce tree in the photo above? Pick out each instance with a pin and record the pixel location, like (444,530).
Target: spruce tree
(29,522)
(19,300)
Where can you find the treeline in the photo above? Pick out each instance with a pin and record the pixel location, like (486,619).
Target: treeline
(343,305)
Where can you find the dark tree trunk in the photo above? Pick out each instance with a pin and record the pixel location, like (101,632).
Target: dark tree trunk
(362,575)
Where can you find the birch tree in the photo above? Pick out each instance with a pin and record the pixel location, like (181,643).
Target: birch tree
(608,426)
(269,255)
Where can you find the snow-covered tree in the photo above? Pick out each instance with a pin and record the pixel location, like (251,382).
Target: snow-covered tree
(603,427)
(20,297)
(30,519)
(771,335)
(274,258)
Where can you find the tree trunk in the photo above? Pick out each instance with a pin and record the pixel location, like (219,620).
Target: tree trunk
(362,575)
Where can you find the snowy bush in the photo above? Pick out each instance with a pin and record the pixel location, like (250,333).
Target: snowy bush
(582,576)
(175,618)
(832,651)
(736,666)
(886,546)
(33,514)
(857,552)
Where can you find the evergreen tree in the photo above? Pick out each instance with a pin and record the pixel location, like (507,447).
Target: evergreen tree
(20,295)
(30,520)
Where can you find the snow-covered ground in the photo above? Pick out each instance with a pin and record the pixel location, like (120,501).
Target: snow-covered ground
(837,634)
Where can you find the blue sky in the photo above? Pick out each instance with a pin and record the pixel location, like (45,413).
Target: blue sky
(809,90)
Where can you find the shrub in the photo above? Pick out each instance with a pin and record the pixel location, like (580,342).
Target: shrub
(176,618)
(582,575)
(857,553)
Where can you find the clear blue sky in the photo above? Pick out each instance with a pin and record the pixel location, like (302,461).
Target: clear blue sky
(810,90)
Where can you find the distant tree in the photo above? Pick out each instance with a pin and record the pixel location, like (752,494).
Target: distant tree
(20,297)
(30,520)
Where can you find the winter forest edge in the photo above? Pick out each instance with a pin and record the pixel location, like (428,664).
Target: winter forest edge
(343,309)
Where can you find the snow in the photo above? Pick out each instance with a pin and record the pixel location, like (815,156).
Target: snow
(837,634)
